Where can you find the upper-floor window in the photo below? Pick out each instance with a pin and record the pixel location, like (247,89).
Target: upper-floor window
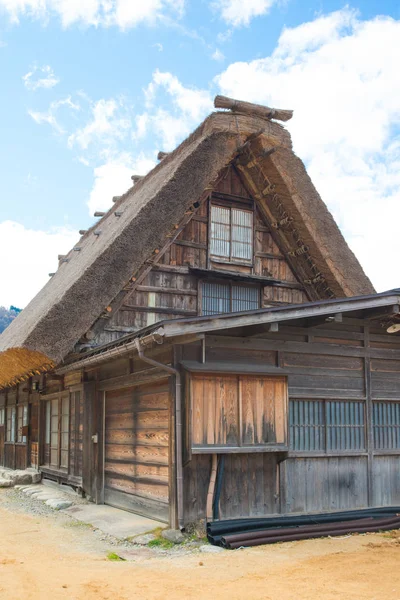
(231,234)
(228,296)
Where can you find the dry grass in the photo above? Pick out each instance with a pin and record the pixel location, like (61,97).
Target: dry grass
(18,363)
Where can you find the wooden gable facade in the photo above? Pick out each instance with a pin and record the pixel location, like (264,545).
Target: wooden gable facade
(174,285)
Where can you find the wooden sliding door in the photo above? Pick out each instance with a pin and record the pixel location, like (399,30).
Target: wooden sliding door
(136,473)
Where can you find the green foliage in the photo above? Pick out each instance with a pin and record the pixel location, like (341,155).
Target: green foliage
(114,557)
(161,543)
(6,316)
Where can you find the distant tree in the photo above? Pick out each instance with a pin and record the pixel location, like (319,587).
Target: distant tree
(6,316)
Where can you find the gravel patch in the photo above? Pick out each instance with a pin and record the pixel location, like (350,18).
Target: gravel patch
(89,539)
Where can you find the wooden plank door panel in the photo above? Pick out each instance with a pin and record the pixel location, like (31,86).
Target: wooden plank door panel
(136,471)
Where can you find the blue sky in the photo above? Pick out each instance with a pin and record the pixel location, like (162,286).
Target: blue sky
(92,89)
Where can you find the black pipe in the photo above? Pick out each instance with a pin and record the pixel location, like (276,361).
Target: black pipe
(310,535)
(243,525)
(217,530)
(218,487)
(282,531)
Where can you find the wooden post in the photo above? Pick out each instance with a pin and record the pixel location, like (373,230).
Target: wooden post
(368,414)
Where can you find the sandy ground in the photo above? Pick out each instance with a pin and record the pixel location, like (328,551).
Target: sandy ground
(43,557)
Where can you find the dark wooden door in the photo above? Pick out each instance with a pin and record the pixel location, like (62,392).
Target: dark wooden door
(136,472)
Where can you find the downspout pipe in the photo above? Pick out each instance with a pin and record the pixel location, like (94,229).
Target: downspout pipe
(178,427)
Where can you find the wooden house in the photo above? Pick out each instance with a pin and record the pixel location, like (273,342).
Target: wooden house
(211,346)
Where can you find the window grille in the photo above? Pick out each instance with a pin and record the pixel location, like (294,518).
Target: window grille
(10,425)
(22,420)
(326,425)
(57,432)
(221,298)
(231,234)
(2,417)
(386,425)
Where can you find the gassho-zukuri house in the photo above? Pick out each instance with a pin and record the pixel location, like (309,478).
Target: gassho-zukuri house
(211,346)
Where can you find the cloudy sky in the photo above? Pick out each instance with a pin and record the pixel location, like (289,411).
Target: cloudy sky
(92,89)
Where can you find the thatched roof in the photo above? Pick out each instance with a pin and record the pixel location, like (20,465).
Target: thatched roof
(87,282)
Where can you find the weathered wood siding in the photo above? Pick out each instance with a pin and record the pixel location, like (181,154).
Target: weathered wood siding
(344,383)
(237,411)
(136,470)
(171,290)
(324,484)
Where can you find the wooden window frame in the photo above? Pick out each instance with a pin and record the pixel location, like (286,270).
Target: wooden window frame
(383,432)
(60,398)
(11,409)
(230,283)
(249,208)
(326,428)
(21,422)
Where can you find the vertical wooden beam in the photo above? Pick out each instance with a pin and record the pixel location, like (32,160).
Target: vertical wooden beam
(368,413)
(172,475)
(100,431)
(89,389)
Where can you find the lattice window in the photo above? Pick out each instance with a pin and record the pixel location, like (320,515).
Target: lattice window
(22,421)
(56,434)
(221,298)
(231,234)
(10,424)
(386,425)
(326,425)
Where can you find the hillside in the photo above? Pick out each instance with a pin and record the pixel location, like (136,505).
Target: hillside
(7,315)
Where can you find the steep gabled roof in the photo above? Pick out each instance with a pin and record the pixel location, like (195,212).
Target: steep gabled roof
(120,244)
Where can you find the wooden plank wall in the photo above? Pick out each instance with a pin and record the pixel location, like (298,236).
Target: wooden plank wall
(329,361)
(249,488)
(170,290)
(137,449)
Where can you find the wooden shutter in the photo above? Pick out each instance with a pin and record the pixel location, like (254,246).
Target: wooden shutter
(233,412)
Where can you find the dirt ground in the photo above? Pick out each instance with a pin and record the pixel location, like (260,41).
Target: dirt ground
(44,556)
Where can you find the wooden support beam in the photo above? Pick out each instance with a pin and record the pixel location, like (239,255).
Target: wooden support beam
(160,310)
(163,290)
(256,110)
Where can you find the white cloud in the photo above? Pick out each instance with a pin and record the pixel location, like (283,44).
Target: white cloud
(51,115)
(40,77)
(173,109)
(105,126)
(114,178)
(35,264)
(218,55)
(98,13)
(340,75)
(240,12)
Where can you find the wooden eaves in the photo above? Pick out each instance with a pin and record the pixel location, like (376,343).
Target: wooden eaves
(190,328)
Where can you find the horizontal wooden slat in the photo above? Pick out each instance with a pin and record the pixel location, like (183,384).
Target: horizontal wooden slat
(142,452)
(157,490)
(148,507)
(138,471)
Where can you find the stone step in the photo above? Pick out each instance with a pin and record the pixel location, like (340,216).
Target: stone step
(5,483)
